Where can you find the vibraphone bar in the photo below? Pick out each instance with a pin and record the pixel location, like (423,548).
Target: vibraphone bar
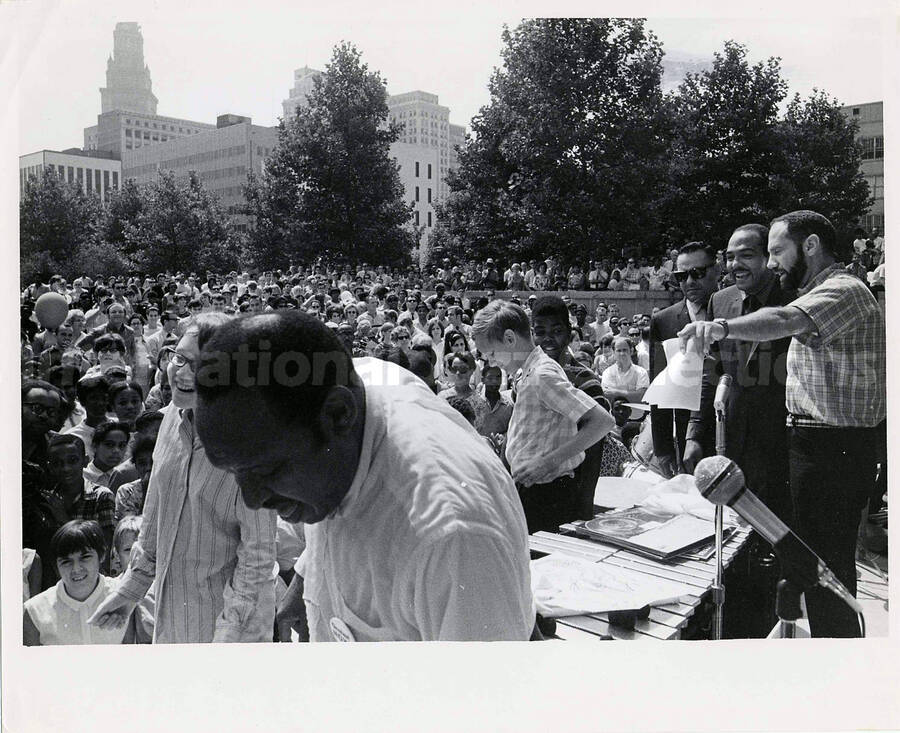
(669,621)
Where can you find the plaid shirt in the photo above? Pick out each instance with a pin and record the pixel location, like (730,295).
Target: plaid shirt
(837,375)
(95,502)
(546,413)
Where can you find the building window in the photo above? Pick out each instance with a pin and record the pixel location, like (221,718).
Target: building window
(80,176)
(105,182)
(90,180)
(417,193)
(876,184)
(97,182)
(417,218)
(873,147)
(856,111)
(128,133)
(429,218)
(115,177)
(62,172)
(417,169)
(429,195)
(70,174)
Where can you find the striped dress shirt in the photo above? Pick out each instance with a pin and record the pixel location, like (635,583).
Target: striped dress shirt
(213,559)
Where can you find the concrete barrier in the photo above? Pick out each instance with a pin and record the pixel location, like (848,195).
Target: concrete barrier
(629,301)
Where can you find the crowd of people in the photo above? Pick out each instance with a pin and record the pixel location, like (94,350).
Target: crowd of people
(385,493)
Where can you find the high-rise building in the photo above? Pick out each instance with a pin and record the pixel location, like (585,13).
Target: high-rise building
(304,80)
(128,118)
(870,117)
(95,173)
(221,157)
(128,87)
(425,150)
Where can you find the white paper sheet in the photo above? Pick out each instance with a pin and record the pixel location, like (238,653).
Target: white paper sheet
(678,385)
(568,586)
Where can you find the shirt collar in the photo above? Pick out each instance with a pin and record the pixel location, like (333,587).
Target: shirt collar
(372,417)
(821,277)
(694,310)
(78,605)
(532,360)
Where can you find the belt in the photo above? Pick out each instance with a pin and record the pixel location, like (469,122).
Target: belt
(802,421)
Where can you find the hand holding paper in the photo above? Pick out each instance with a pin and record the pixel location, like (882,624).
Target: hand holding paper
(703,334)
(678,385)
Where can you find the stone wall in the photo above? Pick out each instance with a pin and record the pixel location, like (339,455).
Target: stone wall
(629,301)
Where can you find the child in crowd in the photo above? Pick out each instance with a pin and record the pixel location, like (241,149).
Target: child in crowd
(110,444)
(93,395)
(59,615)
(130,496)
(146,425)
(552,424)
(69,494)
(126,535)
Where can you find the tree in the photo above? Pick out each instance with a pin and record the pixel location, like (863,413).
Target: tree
(122,209)
(727,159)
(330,184)
(823,163)
(568,155)
(180,227)
(55,219)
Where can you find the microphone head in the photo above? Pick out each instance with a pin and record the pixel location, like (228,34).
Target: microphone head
(725,380)
(719,479)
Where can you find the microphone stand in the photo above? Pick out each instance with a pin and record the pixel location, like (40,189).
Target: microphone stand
(718,589)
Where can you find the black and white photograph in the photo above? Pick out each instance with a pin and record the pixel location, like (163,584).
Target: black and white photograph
(564,329)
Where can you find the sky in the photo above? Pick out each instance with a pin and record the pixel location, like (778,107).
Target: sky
(209,58)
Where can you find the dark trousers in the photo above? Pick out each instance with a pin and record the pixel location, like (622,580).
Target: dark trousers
(549,505)
(832,471)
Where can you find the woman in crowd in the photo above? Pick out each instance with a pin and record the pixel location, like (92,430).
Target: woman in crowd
(141,367)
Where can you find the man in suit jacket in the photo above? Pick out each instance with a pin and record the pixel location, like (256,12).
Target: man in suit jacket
(755,414)
(696,273)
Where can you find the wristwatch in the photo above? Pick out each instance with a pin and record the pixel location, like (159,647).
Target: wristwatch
(724,324)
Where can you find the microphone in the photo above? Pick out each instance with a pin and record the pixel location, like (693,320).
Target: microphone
(722,392)
(721,481)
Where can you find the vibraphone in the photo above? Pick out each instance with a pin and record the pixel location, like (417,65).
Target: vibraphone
(670,621)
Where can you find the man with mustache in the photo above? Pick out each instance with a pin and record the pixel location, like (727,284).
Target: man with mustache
(755,431)
(834,395)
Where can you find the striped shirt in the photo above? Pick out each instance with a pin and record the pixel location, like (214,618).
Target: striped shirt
(837,375)
(546,414)
(212,558)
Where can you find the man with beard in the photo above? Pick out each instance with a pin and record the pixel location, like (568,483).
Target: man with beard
(835,396)
(696,274)
(755,431)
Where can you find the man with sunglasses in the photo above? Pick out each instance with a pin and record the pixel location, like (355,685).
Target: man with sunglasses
(696,274)
(834,396)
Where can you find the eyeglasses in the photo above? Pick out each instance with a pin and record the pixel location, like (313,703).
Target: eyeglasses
(698,273)
(179,360)
(107,349)
(460,370)
(41,410)
(402,338)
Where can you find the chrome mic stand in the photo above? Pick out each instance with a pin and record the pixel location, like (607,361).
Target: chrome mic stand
(718,589)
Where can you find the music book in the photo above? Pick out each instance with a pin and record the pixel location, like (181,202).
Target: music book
(641,530)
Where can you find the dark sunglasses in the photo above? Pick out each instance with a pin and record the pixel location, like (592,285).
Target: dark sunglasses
(460,370)
(698,273)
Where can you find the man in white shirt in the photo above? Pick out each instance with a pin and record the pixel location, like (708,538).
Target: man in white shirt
(624,380)
(402,544)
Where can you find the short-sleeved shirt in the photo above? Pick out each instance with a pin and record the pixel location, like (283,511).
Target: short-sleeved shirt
(635,378)
(837,375)
(546,414)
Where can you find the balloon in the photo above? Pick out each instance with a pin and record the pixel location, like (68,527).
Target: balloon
(51,310)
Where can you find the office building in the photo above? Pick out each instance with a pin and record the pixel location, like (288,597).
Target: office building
(119,131)
(128,118)
(96,173)
(222,158)
(304,80)
(128,86)
(870,118)
(425,150)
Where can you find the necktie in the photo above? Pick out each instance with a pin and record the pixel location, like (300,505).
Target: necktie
(750,350)
(749,305)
